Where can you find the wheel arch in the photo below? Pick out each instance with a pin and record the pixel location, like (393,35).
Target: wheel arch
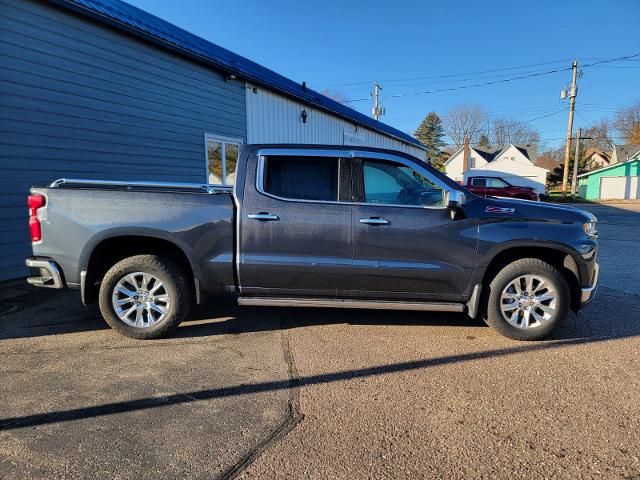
(555,256)
(110,250)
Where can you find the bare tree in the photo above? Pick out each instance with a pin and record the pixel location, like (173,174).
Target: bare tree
(336,95)
(464,121)
(506,130)
(627,122)
(548,160)
(599,134)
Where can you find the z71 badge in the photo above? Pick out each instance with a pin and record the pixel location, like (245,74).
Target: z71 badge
(507,210)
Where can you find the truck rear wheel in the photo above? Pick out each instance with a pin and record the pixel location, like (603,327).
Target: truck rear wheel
(527,300)
(145,296)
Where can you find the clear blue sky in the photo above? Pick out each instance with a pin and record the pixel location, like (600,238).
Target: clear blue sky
(334,44)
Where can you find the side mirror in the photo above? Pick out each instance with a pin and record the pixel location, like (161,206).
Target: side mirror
(454,199)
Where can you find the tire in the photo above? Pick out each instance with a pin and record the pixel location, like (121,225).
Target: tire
(162,287)
(509,286)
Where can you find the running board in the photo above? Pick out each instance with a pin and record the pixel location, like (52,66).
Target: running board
(341,303)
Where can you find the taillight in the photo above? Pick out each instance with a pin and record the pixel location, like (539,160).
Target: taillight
(35,202)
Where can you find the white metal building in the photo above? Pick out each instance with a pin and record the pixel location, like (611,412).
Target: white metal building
(275,118)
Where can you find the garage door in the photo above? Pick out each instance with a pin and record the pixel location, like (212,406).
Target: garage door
(619,188)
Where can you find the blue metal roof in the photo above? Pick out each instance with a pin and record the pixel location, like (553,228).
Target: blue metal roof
(143,24)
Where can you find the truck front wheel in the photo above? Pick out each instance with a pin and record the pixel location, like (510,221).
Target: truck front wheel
(527,300)
(145,296)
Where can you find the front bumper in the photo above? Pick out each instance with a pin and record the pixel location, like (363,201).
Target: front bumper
(47,273)
(588,293)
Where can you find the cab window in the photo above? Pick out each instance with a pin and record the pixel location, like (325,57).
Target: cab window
(302,178)
(392,183)
(497,183)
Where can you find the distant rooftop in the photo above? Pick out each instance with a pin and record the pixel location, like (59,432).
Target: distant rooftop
(491,153)
(624,152)
(140,23)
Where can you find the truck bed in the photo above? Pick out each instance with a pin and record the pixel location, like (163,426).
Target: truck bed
(79,216)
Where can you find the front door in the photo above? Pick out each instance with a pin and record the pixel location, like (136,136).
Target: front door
(406,244)
(295,232)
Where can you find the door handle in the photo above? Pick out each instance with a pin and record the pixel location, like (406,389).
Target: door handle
(263,216)
(374,221)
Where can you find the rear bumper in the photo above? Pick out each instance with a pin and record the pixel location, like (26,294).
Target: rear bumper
(588,293)
(47,273)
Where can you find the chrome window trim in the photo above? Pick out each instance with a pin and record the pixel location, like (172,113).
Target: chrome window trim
(208,188)
(291,152)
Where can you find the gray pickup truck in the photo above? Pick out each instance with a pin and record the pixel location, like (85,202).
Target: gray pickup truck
(313,226)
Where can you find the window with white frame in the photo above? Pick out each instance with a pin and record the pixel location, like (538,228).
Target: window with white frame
(222,158)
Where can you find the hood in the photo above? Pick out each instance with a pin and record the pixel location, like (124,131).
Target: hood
(517,208)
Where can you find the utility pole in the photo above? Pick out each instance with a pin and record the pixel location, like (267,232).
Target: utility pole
(567,148)
(378,110)
(576,160)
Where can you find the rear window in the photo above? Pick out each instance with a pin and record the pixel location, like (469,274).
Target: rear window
(302,178)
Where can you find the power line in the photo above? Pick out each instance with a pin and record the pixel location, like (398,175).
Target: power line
(610,60)
(582,116)
(449,75)
(461,87)
(494,82)
(460,80)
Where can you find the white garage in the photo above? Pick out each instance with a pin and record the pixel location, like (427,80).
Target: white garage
(620,181)
(619,188)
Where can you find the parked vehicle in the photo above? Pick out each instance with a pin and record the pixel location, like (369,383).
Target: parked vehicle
(499,187)
(310,226)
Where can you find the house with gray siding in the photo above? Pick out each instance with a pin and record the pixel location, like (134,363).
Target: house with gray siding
(100,89)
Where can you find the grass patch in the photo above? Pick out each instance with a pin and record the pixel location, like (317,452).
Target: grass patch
(557,197)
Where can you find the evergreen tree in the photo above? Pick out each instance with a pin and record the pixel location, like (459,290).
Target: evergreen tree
(430,134)
(483,142)
(555,176)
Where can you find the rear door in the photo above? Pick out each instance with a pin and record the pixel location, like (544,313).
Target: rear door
(295,224)
(406,244)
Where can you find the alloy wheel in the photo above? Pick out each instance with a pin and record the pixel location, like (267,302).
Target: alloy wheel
(140,300)
(529,301)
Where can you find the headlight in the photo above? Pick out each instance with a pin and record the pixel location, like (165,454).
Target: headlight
(590,228)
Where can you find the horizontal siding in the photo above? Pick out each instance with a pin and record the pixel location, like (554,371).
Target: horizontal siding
(592,191)
(79,99)
(273,118)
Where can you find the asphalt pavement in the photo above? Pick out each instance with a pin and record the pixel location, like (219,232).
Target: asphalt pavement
(306,393)
(407,395)
(80,401)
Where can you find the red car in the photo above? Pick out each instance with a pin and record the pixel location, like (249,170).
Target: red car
(499,187)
